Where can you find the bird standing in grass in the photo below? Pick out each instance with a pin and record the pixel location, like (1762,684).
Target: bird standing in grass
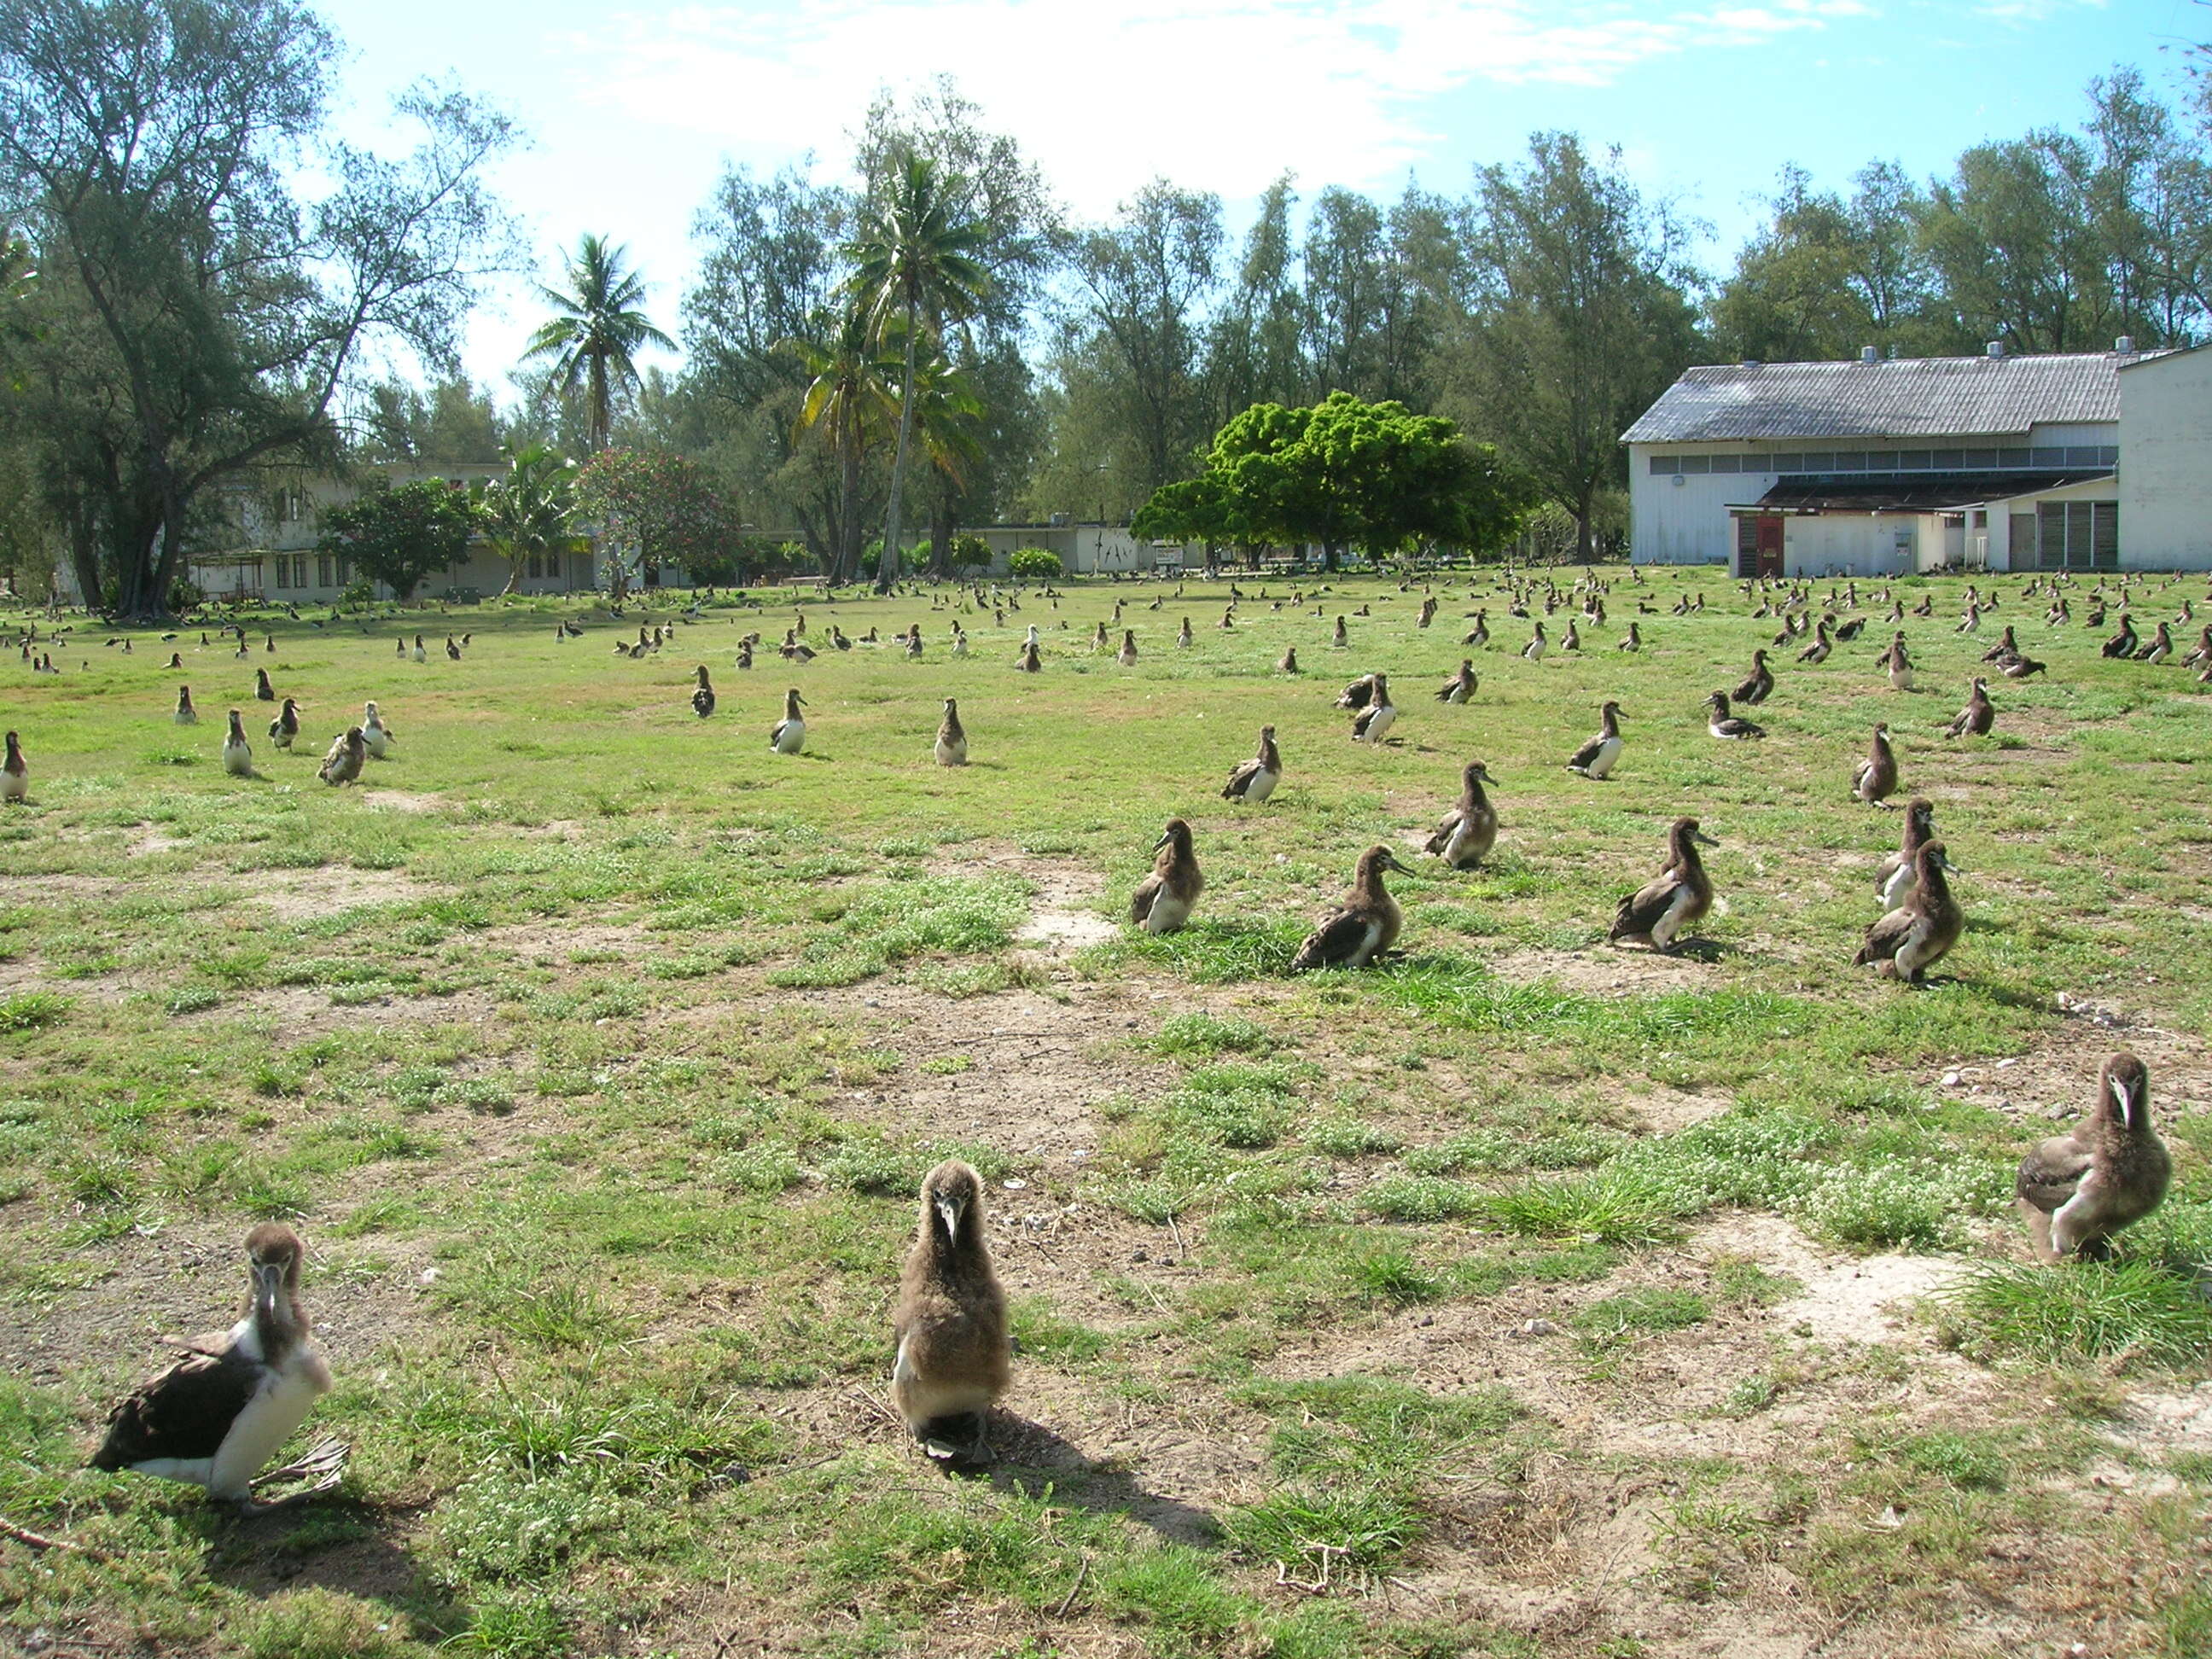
(1875,778)
(217,1415)
(14,775)
(263,691)
(349,754)
(1128,654)
(1897,665)
(1288,664)
(1917,935)
(2075,1191)
(703,694)
(788,736)
(951,737)
(1164,899)
(374,732)
(1364,927)
(955,1352)
(185,714)
(286,725)
(1254,779)
(1469,831)
(1976,719)
(1657,913)
(237,754)
(1594,759)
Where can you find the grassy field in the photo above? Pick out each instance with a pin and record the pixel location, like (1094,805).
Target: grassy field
(1521,1297)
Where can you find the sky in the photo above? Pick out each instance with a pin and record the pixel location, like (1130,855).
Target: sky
(633,113)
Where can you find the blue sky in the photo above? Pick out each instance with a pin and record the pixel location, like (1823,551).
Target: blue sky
(634,112)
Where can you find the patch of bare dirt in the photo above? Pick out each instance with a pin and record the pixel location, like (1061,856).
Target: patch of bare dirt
(559,941)
(400,801)
(150,841)
(1062,921)
(1605,972)
(1865,1300)
(305,895)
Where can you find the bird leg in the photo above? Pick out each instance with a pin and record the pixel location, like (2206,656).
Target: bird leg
(324,1466)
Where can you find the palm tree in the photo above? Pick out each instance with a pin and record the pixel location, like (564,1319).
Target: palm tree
(598,326)
(526,514)
(850,399)
(915,263)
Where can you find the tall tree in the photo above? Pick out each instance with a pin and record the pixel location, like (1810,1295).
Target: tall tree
(849,401)
(597,328)
(205,313)
(1584,319)
(914,264)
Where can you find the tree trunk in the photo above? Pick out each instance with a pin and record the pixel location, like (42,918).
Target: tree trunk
(84,553)
(891,553)
(942,520)
(513,577)
(1583,514)
(849,513)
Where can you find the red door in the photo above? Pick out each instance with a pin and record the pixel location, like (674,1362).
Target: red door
(1770,544)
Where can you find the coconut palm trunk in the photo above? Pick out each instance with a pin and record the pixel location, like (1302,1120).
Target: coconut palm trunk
(890,560)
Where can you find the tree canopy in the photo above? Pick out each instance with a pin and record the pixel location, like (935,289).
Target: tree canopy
(402,534)
(655,507)
(1344,473)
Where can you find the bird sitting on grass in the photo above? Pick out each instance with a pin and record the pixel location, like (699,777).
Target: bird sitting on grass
(1875,778)
(237,754)
(14,775)
(703,694)
(1976,719)
(1657,913)
(348,753)
(2075,1191)
(1164,899)
(217,1415)
(1254,779)
(1361,930)
(185,714)
(1368,724)
(951,748)
(1468,831)
(955,1351)
(1460,686)
(286,725)
(1732,727)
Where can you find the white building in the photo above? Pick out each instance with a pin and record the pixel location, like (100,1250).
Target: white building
(1888,466)
(2166,475)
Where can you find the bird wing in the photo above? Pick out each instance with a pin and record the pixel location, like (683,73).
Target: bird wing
(1334,940)
(1588,752)
(1441,839)
(1240,780)
(185,1412)
(1141,901)
(1641,909)
(2052,1173)
(1886,936)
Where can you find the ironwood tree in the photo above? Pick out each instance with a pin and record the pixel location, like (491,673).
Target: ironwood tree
(201,309)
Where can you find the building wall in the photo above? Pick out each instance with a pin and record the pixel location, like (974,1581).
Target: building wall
(1851,545)
(1683,519)
(2166,472)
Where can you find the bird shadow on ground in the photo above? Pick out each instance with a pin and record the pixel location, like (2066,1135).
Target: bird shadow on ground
(1700,949)
(1034,1461)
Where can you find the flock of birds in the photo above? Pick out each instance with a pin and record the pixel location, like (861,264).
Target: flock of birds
(218,1414)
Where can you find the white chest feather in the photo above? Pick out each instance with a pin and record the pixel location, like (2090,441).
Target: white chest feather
(1380,721)
(1670,920)
(1608,752)
(789,737)
(1262,785)
(1167,914)
(952,751)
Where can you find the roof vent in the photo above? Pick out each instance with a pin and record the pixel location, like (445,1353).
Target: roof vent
(1869,355)
(1893,351)
(2124,345)
(1997,348)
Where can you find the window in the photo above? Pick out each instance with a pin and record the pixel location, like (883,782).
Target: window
(1915,460)
(1978,457)
(2077,535)
(322,570)
(536,566)
(1695,465)
(1815,461)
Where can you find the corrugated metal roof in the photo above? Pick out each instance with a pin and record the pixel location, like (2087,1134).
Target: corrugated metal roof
(1901,397)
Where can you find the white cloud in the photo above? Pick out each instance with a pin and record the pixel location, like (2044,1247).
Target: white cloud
(1107,97)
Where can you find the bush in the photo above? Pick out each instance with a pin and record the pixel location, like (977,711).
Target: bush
(1036,564)
(970,553)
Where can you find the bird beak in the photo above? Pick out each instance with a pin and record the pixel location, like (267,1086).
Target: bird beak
(1703,839)
(1390,861)
(950,1208)
(2125,1097)
(1949,866)
(1164,839)
(268,1284)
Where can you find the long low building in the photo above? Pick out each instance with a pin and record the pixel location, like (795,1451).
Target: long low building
(1885,467)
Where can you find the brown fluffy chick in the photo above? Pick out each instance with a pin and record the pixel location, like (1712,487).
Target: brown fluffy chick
(2075,1191)
(955,1354)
